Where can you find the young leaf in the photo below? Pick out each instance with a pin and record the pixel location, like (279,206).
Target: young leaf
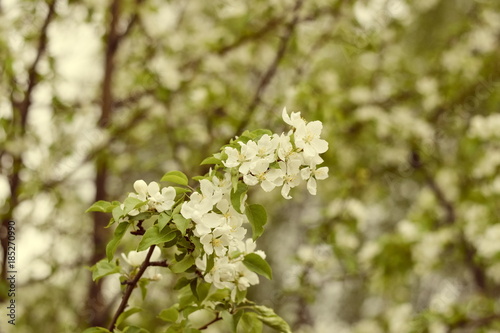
(131,203)
(238,195)
(117,213)
(143,284)
(232,319)
(163,219)
(181,283)
(211,160)
(202,290)
(181,190)
(170,315)
(103,268)
(135,329)
(181,223)
(154,236)
(271,319)
(249,323)
(101,206)
(96,330)
(117,237)
(257,217)
(125,314)
(210,262)
(182,265)
(256,264)
(176,177)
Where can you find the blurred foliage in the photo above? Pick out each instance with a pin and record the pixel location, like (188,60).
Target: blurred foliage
(404,235)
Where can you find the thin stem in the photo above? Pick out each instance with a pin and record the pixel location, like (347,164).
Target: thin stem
(130,287)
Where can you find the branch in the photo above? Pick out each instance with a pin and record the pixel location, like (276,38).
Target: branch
(130,287)
(468,249)
(216,319)
(33,70)
(271,71)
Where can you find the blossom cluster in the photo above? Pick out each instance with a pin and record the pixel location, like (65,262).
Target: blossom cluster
(220,229)
(282,160)
(156,200)
(269,161)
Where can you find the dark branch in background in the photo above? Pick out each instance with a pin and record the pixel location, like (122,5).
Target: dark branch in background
(22,109)
(474,323)
(131,286)
(467,248)
(96,307)
(271,71)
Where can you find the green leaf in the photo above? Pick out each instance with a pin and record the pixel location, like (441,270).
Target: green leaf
(176,177)
(256,264)
(211,160)
(232,319)
(182,265)
(154,236)
(96,330)
(117,237)
(256,134)
(143,284)
(181,190)
(237,196)
(257,217)
(117,213)
(135,329)
(131,203)
(240,295)
(271,319)
(170,315)
(181,223)
(181,283)
(202,290)
(141,216)
(210,262)
(125,314)
(249,323)
(101,206)
(192,286)
(163,220)
(103,268)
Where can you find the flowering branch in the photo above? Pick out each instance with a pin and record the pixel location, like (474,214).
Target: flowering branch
(205,224)
(130,287)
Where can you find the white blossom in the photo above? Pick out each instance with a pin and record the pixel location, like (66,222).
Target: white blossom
(311,174)
(135,259)
(307,137)
(215,242)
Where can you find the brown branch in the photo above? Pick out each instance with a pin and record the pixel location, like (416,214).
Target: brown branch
(216,319)
(130,288)
(467,248)
(23,109)
(271,71)
(33,70)
(253,35)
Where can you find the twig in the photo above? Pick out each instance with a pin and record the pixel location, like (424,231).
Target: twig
(468,249)
(216,319)
(271,71)
(130,287)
